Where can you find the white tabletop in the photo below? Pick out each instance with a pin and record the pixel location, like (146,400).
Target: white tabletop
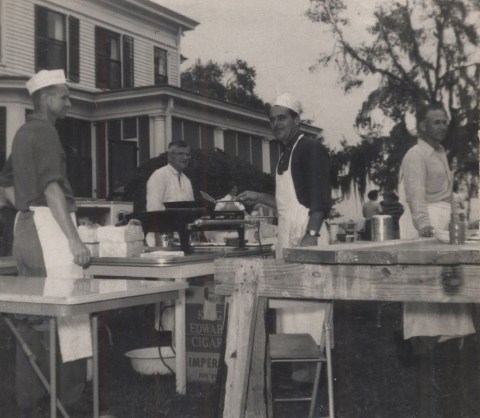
(64,297)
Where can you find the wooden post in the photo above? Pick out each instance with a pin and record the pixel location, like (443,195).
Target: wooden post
(241,322)
(256,394)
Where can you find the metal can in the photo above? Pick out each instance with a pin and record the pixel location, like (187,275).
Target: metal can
(162,240)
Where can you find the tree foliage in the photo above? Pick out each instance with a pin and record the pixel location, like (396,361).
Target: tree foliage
(233,82)
(422,51)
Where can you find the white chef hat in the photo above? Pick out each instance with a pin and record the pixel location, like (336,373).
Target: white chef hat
(45,78)
(288,101)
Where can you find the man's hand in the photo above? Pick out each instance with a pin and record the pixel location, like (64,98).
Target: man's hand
(248,197)
(308,241)
(427,231)
(81,254)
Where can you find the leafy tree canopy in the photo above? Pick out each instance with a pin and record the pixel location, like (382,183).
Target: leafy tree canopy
(233,82)
(422,51)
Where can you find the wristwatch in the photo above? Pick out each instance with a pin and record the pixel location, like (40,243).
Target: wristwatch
(313,233)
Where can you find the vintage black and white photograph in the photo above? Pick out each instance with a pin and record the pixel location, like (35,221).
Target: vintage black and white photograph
(239,208)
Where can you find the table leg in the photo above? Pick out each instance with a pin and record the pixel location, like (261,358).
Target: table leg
(53,368)
(180,346)
(96,403)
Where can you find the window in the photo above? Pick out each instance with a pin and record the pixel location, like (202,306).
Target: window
(128,143)
(247,147)
(160,65)
(111,50)
(53,48)
(196,135)
(76,141)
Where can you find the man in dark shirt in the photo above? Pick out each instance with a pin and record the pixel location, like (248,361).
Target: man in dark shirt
(46,242)
(305,164)
(302,200)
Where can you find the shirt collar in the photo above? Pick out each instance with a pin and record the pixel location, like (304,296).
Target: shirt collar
(427,149)
(37,116)
(291,143)
(174,171)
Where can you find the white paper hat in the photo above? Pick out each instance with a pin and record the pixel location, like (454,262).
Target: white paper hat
(288,101)
(45,78)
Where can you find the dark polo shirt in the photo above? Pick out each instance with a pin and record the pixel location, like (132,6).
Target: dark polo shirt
(38,159)
(310,173)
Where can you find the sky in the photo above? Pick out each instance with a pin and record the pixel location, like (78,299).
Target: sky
(276,38)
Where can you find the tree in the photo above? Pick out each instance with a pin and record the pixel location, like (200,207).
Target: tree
(421,51)
(233,82)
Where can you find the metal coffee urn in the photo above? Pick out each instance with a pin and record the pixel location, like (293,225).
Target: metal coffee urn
(382,228)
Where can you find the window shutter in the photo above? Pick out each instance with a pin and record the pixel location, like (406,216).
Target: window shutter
(100,57)
(128,61)
(3,135)
(74,49)
(41,42)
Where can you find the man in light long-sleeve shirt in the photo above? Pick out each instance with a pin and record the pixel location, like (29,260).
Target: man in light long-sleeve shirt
(426,186)
(168,183)
(427,179)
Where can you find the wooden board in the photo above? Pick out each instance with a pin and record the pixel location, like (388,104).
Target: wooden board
(412,283)
(418,251)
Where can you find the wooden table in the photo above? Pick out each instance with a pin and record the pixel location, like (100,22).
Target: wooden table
(179,269)
(422,270)
(28,295)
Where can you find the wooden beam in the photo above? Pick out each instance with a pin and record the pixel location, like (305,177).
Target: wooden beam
(408,283)
(241,322)
(256,396)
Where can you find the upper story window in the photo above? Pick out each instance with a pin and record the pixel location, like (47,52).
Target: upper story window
(57,42)
(114,59)
(160,65)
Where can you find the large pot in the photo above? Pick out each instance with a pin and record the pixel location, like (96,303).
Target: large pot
(381,228)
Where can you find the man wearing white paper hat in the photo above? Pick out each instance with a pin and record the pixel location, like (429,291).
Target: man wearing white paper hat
(46,242)
(302,200)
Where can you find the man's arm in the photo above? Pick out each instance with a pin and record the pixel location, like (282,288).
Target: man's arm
(317,177)
(58,205)
(414,175)
(251,198)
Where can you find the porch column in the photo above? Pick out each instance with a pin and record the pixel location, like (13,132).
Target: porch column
(266,155)
(218,138)
(158,144)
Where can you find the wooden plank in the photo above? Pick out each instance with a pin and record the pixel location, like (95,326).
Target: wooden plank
(241,321)
(256,401)
(418,251)
(412,283)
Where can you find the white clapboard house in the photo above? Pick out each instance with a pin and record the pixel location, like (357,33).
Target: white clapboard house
(122,60)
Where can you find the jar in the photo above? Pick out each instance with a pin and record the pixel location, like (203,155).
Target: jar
(456,230)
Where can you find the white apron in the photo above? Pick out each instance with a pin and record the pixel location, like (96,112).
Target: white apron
(62,273)
(447,320)
(295,316)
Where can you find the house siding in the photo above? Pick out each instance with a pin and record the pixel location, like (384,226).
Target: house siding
(20,52)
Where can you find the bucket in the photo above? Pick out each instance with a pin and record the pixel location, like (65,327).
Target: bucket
(147,360)
(382,228)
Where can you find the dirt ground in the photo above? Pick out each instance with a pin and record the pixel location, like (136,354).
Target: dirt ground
(369,380)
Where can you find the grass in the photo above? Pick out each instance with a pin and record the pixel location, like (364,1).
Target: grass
(369,382)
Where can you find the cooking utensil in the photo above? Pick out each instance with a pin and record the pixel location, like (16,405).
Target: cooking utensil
(211,199)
